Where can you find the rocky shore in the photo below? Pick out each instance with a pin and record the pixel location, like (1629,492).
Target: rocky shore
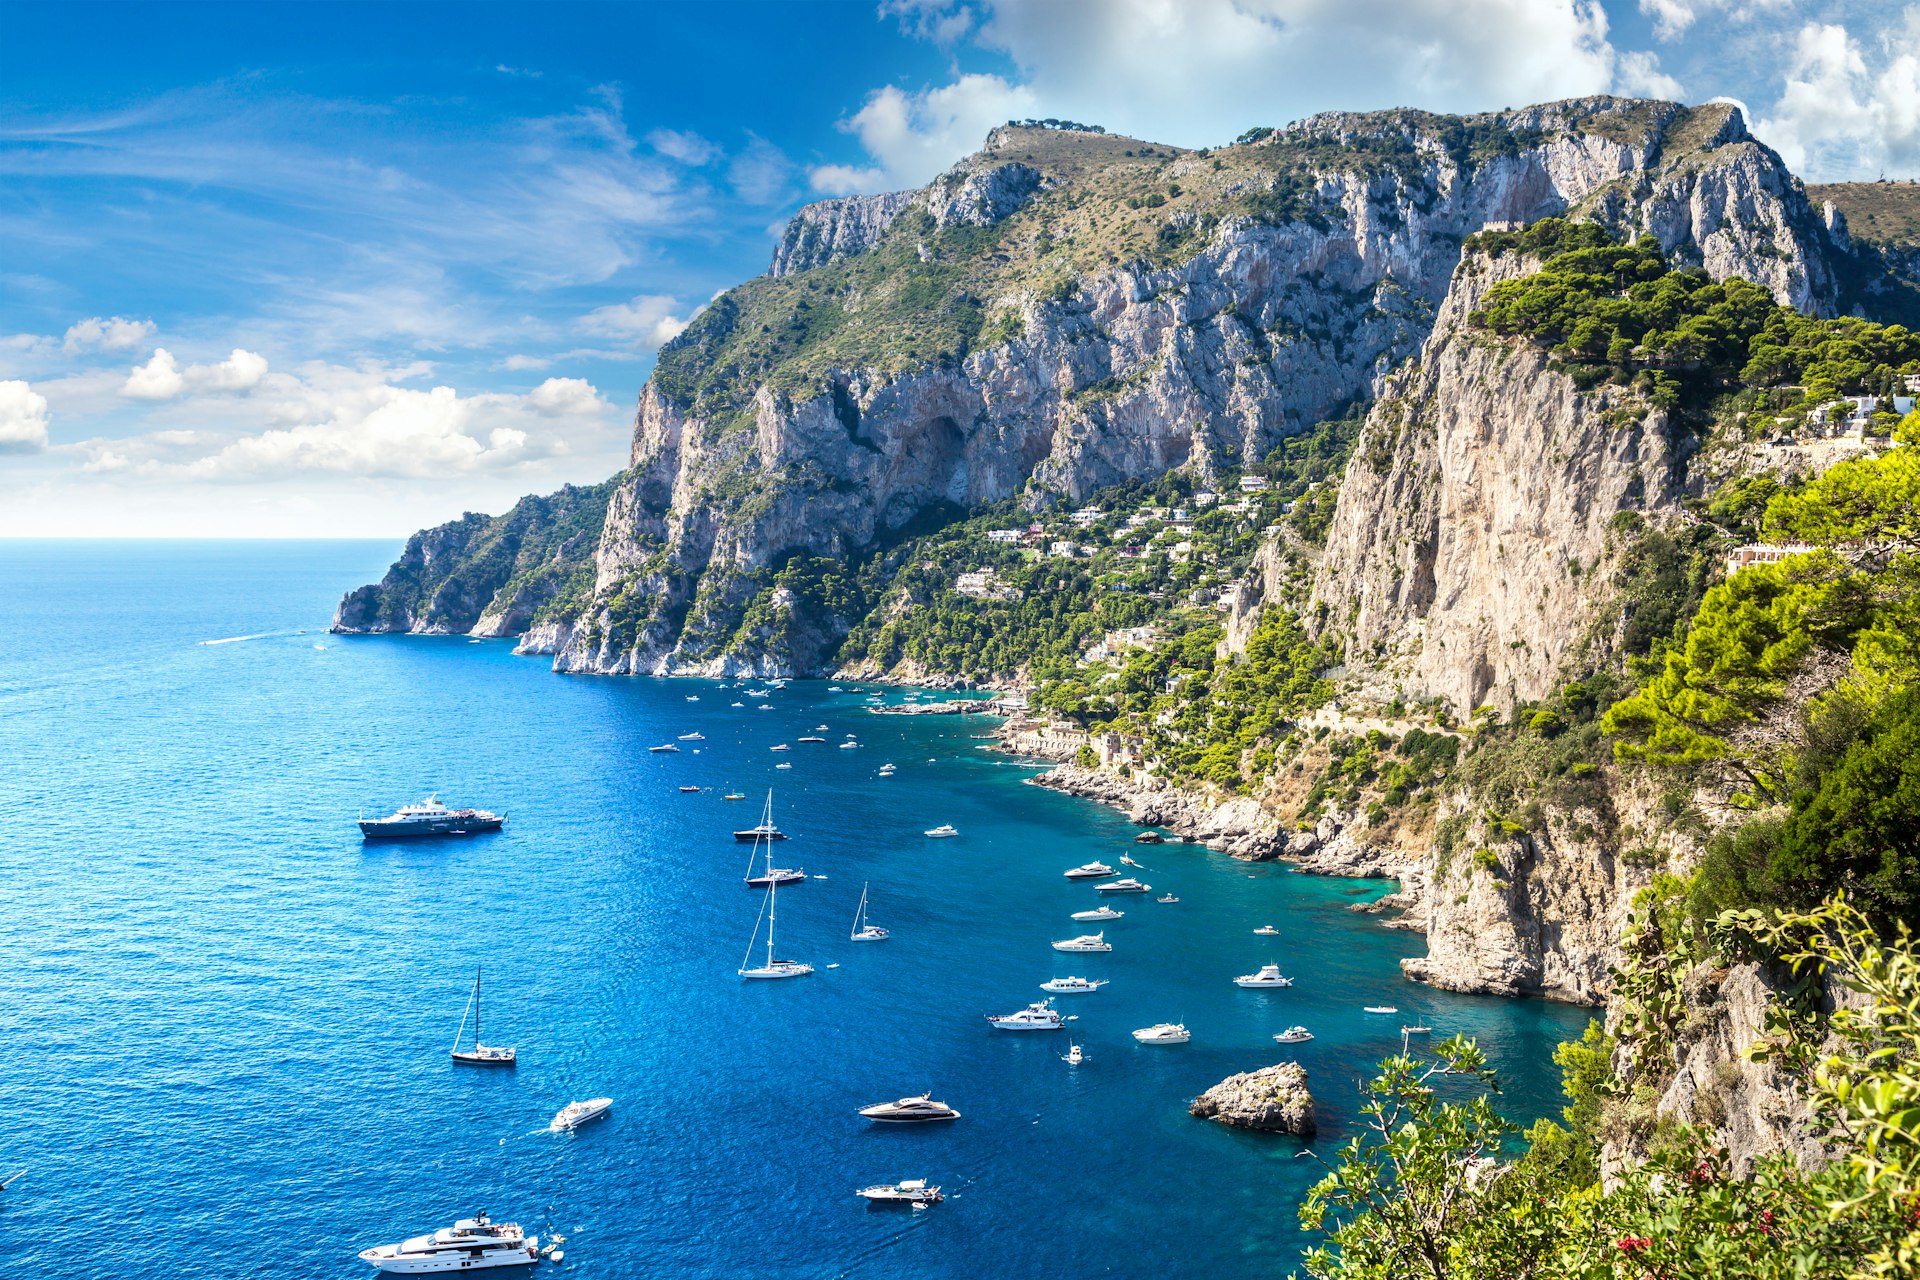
(1273,1100)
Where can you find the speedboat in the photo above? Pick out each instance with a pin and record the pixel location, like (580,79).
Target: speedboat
(813,737)
(688,790)
(736,704)
(663,747)
(471,1244)
(693,737)
(833,688)
(783,765)
(1267,931)
(1085,942)
(779,746)
(1073,1057)
(820,728)
(1163,1033)
(1090,871)
(943,830)
(734,795)
(1166,897)
(575,1114)
(1294,1035)
(1040,1016)
(693,697)
(756,693)
(1073,986)
(1269,976)
(766,706)
(913,1191)
(1381,1008)
(1099,913)
(848,746)
(920,1110)
(1128,885)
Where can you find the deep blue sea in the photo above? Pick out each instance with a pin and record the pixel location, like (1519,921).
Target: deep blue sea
(224,1021)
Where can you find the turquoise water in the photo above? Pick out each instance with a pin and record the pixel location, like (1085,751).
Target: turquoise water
(226,1020)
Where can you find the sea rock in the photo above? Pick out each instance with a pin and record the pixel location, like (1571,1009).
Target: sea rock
(1273,1099)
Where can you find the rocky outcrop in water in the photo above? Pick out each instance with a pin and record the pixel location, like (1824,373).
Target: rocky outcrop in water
(1273,1099)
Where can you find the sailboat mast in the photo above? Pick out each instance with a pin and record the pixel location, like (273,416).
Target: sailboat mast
(476,1007)
(773,913)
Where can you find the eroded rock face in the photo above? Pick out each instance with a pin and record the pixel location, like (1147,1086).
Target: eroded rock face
(1273,1099)
(831,229)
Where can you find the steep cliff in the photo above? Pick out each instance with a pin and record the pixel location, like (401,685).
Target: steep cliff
(1066,310)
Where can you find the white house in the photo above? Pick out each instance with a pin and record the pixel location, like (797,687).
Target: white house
(1253,484)
(1003,535)
(1205,498)
(1763,553)
(985,584)
(1086,516)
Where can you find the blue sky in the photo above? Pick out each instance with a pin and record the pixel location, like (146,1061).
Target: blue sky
(334,269)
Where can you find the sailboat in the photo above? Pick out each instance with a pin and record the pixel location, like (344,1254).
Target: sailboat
(765,834)
(481,1055)
(862,931)
(773,968)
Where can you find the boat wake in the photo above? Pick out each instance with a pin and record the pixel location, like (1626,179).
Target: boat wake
(261,635)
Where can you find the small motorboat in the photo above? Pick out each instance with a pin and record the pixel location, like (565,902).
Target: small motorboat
(688,790)
(779,746)
(833,688)
(848,746)
(693,697)
(736,704)
(766,706)
(693,737)
(1417,1029)
(783,765)
(1073,1056)
(887,771)
(813,737)
(1269,976)
(1166,897)
(1128,885)
(1086,942)
(1089,871)
(1039,1016)
(575,1114)
(1163,1033)
(1267,931)
(1149,837)
(664,748)
(1381,1008)
(1099,913)
(734,795)
(920,1110)
(942,831)
(820,728)
(1294,1035)
(1073,986)
(913,1191)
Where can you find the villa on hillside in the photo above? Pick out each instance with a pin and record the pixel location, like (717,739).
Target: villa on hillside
(985,584)
(1115,643)
(1086,516)
(1764,553)
(1253,484)
(1003,535)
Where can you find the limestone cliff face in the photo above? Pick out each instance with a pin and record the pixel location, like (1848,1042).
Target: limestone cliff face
(1136,368)
(1471,547)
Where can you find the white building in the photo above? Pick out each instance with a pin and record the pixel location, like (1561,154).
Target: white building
(984,584)
(1205,498)
(1764,553)
(1086,516)
(1003,535)
(1253,484)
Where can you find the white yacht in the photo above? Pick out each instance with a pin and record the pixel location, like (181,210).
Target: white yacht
(918,1110)
(779,746)
(1267,931)
(1269,976)
(1166,897)
(1040,1016)
(736,704)
(862,931)
(481,1055)
(1073,986)
(693,737)
(1085,942)
(693,697)
(811,737)
(943,830)
(1091,871)
(1294,1035)
(1163,1033)
(849,746)
(783,765)
(471,1244)
(887,771)
(575,1114)
(913,1191)
(1099,913)
(1073,1056)
(1381,1008)
(1128,885)
(663,748)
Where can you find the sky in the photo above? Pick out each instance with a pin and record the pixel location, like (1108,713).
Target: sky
(340,270)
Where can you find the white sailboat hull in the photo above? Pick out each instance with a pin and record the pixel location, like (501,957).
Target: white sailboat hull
(779,969)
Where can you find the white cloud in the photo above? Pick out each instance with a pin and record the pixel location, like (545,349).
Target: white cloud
(358,424)
(520,363)
(162,378)
(647,322)
(1672,18)
(1840,115)
(761,173)
(158,379)
(23,418)
(116,334)
(683,145)
(1199,72)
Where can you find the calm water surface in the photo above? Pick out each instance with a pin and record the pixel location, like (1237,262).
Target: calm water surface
(226,1020)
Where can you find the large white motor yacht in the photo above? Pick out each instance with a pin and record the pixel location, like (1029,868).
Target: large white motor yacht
(1091,871)
(1269,976)
(918,1110)
(575,1114)
(1163,1033)
(1128,885)
(1085,942)
(1073,986)
(1099,913)
(1040,1016)
(944,829)
(471,1244)
(913,1191)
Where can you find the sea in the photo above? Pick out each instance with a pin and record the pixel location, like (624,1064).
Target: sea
(225,1020)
